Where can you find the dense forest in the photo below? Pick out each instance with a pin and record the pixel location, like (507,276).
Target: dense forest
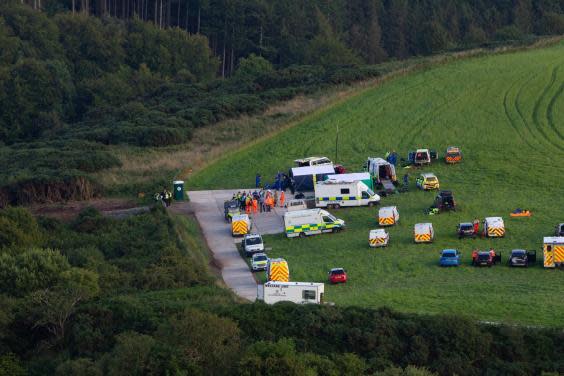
(79,75)
(101,296)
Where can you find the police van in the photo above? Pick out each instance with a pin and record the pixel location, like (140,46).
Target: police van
(336,193)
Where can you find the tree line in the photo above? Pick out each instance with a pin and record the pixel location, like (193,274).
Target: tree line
(101,296)
(371,31)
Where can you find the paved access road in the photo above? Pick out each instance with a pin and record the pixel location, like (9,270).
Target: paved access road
(208,209)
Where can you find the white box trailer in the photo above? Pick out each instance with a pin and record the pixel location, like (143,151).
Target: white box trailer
(337,193)
(311,222)
(296,292)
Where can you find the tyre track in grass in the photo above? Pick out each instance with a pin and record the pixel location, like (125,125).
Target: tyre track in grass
(537,109)
(550,111)
(512,122)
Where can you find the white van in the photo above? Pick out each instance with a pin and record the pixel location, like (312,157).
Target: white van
(423,233)
(388,216)
(296,292)
(494,227)
(312,161)
(335,193)
(311,222)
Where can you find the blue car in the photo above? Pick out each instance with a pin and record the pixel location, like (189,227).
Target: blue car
(449,257)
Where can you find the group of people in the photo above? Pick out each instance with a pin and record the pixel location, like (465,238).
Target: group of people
(165,196)
(264,200)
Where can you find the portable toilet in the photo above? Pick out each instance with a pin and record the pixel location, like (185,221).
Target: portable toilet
(494,227)
(388,216)
(553,251)
(240,225)
(178,190)
(423,233)
(378,238)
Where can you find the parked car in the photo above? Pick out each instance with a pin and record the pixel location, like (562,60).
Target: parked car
(427,181)
(485,258)
(449,257)
(520,257)
(337,275)
(252,243)
(465,230)
(259,262)
(445,201)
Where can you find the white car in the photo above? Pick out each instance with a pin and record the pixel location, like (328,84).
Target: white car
(252,243)
(259,262)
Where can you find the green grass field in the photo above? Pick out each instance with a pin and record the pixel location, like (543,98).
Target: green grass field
(506,112)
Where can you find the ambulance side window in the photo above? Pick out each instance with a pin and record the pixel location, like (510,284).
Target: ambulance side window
(308,294)
(327,220)
(345,191)
(365,194)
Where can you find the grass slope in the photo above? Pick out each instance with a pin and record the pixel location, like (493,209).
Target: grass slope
(507,113)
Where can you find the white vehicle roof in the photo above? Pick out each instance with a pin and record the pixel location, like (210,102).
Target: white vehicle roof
(422,228)
(494,221)
(302,284)
(260,254)
(378,161)
(310,159)
(302,213)
(422,151)
(554,240)
(240,217)
(252,236)
(428,175)
(378,233)
(313,170)
(357,176)
(387,211)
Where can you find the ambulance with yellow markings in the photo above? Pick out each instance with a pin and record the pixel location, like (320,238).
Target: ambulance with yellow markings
(240,225)
(311,222)
(277,270)
(553,251)
(494,227)
(388,216)
(378,238)
(423,233)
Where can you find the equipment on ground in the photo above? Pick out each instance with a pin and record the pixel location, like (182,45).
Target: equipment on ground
(252,243)
(453,155)
(520,213)
(520,257)
(383,173)
(312,161)
(277,270)
(337,275)
(423,233)
(303,178)
(485,258)
(465,230)
(427,181)
(337,193)
(354,177)
(559,229)
(445,201)
(494,227)
(259,262)
(240,225)
(378,238)
(553,251)
(388,216)
(231,208)
(311,222)
(296,204)
(421,157)
(449,257)
(296,292)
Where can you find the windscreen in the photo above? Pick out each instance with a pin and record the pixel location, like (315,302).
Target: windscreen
(261,258)
(253,241)
(448,254)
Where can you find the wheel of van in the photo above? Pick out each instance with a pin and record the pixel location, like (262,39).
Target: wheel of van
(336,206)
(302,235)
(336,230)
(371,204)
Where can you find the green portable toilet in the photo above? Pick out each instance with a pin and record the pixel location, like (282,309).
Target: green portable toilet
(178,190)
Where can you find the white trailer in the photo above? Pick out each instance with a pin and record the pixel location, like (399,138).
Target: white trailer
(337,193)
(296,292)
(311,222)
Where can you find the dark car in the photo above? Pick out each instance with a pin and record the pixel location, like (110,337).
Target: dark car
(445,201)
(520,257)
(465,230)
(485,258)
(559,231)
(231,208)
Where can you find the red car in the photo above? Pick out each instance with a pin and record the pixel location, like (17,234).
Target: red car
(337,275)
